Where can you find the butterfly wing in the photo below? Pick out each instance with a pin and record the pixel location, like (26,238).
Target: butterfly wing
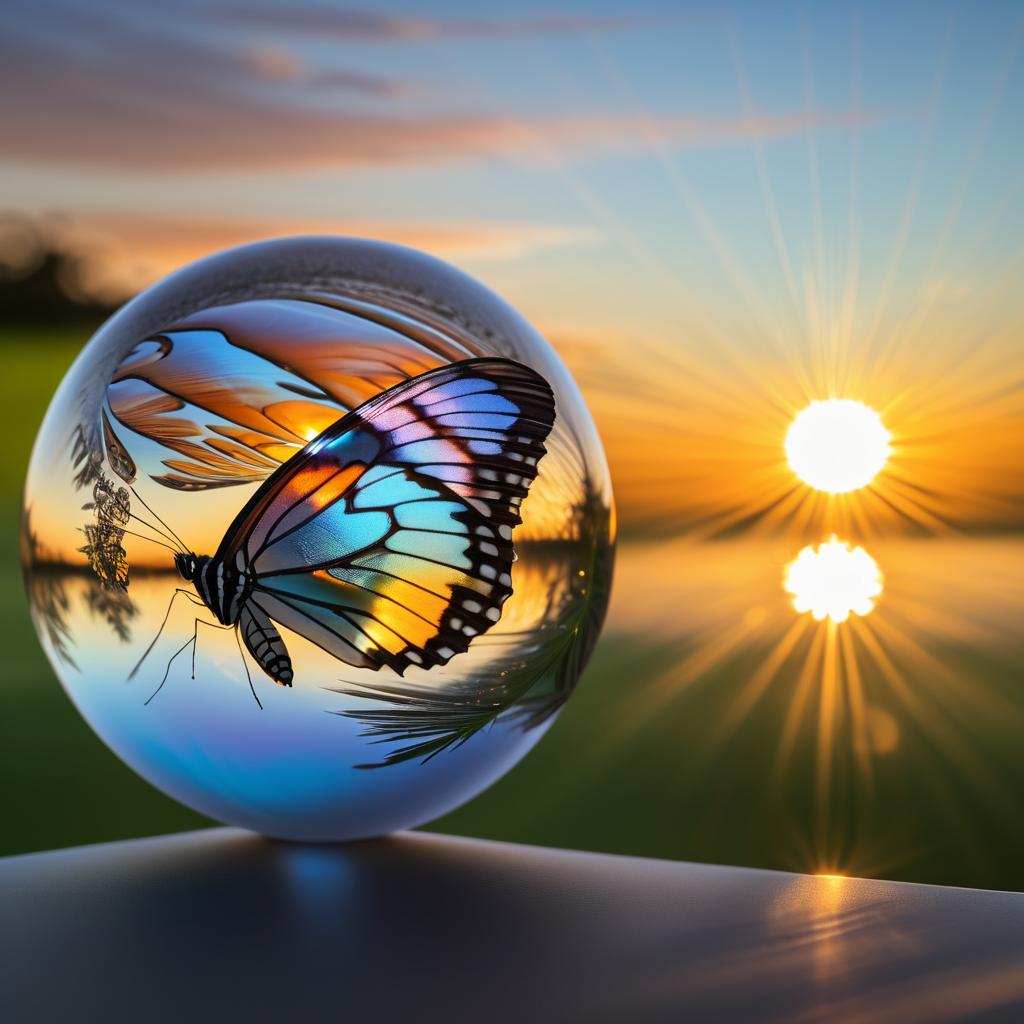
(388,539)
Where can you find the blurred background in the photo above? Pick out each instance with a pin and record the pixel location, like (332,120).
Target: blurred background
(718,216)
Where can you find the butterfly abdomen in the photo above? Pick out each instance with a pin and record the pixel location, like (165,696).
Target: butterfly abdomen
(265,644)
(224,590)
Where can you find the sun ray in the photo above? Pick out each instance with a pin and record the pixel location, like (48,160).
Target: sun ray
(913,195)
(756,686)
(764,179)
(857,708)
(936,726)
(848,302)
(803,691)
(818,288)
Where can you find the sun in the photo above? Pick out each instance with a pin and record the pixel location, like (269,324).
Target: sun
(837,445)
(833,581)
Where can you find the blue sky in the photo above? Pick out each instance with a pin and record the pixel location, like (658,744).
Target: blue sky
(717,185)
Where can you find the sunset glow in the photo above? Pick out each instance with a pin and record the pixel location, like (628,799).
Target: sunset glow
(779,251)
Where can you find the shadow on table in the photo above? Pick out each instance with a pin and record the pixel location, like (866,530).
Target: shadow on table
(427,927)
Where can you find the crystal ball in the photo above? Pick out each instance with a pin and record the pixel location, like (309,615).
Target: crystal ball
(318,536)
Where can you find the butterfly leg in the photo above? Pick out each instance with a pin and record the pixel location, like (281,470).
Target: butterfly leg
(238,640)
(191,640)
(195,636)
(159,632)
(245,665)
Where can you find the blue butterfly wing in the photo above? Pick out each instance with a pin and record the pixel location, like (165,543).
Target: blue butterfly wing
(388,539)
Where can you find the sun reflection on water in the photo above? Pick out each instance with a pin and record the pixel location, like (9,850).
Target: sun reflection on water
(837,707)
(833,580)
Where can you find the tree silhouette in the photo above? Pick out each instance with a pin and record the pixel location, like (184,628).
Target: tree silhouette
(37,276)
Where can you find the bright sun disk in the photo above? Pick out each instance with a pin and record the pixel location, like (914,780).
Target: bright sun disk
(837,445)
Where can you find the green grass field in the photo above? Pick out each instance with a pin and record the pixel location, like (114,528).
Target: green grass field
(661,789)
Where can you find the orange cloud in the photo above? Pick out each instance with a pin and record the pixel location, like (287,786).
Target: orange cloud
(125,252)
(225,135)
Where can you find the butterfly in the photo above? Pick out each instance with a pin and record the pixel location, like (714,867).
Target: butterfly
(387,539)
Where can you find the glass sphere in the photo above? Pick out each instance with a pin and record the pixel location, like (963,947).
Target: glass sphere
(268,536)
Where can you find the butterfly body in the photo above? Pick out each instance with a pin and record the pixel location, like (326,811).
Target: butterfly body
(387,540)
(222,588)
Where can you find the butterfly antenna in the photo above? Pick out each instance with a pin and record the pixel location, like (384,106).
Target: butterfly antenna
(158,519)
(142,536)
(155,529)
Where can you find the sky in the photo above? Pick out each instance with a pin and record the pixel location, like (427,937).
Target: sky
(716,214)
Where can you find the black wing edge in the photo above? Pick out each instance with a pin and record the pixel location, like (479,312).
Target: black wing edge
(494,497)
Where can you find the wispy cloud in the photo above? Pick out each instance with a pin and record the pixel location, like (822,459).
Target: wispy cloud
(365,25)
(125,92)
(224,133)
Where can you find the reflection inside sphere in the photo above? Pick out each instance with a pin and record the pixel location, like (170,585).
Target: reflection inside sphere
(324,493)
